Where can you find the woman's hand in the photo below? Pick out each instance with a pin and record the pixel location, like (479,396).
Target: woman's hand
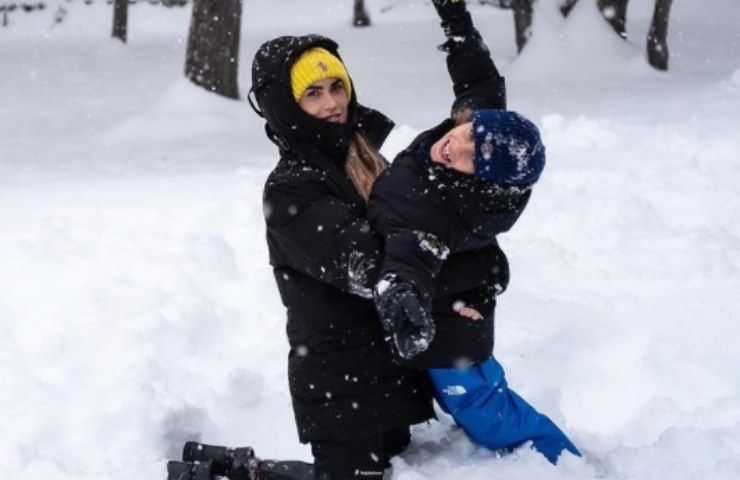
(465,311)
(471,313)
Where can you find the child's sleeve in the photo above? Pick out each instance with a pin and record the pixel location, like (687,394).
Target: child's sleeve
(400,210)
(413,223)
(476,82)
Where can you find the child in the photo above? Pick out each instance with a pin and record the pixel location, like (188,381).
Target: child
(454,189)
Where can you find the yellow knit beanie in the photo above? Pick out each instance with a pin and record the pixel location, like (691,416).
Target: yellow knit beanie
(317,64)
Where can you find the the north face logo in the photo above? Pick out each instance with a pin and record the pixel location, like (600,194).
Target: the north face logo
(454,390)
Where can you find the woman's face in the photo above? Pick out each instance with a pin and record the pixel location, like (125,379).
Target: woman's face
(326,99)
(455,150)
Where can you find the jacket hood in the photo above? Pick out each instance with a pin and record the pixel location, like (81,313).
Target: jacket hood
(288,125)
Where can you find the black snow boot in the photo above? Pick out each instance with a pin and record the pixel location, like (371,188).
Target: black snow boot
(234,463)
(188,470)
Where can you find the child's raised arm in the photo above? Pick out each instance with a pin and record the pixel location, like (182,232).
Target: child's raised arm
(476,82)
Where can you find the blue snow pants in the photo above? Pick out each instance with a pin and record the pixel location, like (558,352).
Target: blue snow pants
(492,415)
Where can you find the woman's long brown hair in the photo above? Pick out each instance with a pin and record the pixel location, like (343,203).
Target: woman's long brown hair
(364,164)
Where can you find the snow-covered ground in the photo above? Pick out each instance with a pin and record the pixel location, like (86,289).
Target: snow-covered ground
(137,308)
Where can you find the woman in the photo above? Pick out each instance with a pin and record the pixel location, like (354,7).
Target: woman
(352,403)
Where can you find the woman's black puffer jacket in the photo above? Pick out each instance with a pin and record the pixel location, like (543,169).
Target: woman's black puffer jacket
(343,381)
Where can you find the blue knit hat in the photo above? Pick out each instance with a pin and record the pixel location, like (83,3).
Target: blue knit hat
(508,148)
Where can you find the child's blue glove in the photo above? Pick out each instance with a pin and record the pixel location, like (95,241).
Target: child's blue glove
(408,325)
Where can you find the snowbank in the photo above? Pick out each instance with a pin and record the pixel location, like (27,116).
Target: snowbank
(137,308)
(736,77)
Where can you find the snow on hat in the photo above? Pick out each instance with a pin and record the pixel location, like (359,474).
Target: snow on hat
(508,148)
(317,64)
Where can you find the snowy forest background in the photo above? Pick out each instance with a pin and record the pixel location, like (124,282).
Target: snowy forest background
(137,308)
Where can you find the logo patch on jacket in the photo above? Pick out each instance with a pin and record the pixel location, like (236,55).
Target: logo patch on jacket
(454,390)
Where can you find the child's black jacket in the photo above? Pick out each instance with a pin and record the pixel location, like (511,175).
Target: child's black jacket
(415,198)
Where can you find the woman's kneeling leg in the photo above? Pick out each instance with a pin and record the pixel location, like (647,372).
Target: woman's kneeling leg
(362,458)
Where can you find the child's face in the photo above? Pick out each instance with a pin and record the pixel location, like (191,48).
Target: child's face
(326,99)
(455,149)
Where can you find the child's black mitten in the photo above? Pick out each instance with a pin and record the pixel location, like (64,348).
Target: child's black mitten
(449,8)
(456,20)
(407,323)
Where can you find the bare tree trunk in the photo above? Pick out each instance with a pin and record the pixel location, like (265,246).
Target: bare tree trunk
(213,46)
(522,22)
(657,44)
(120,19)
(615,12)
(361,18)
